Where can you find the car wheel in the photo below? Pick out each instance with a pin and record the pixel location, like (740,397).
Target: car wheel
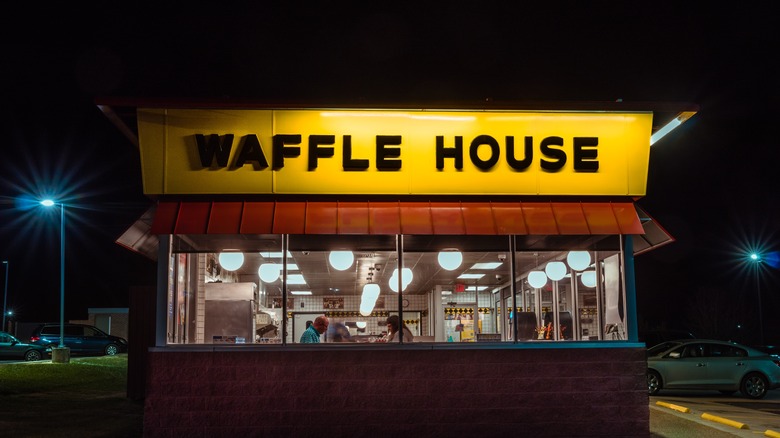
(654,383)
(754,386)
(111,349)
(33,355)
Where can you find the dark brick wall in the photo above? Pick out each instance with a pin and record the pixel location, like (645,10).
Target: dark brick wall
(376,393)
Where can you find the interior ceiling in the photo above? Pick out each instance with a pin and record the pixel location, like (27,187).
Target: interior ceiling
(374,265)
(377,267)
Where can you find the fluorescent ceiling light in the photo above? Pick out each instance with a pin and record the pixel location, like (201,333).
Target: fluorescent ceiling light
(488,265)
(300,292)
(471,276)
(295,279)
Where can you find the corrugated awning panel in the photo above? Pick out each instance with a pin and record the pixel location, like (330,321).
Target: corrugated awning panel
(401,217)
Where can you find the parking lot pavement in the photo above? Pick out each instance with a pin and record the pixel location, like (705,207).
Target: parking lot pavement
(670,425)
(722,420)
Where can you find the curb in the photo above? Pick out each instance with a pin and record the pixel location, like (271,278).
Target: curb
(679,408)
(771,433)
(725,421)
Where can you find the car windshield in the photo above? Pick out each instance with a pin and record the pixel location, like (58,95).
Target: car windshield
(660,348)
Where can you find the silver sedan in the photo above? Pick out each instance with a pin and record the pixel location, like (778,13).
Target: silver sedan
(705,364)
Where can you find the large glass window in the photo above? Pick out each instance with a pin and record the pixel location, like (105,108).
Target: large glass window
(268,289)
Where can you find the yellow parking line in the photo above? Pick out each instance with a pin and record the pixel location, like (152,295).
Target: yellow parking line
(673,406)
(725,421)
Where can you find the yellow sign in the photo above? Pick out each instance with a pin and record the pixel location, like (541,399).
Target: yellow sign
(197,151)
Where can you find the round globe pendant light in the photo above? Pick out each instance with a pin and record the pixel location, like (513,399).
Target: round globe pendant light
(268,272)
(537,279)
(588,278)
(578,260)
(450,259)
(230,261)
(341,260)
(555,270)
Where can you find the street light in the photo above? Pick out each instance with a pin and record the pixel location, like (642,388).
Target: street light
(5,291)
(50,203)
(756,259)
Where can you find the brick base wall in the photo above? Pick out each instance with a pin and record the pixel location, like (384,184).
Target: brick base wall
(376,393)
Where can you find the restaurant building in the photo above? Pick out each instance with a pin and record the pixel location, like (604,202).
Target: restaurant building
(502,237)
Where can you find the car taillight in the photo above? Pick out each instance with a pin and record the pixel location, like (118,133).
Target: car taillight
(777,362)
(35,339)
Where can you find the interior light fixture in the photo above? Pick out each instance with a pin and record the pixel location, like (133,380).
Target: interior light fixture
(295,279)
(470,276)
(537,279)
(486,265)
(588,278)
(300,292)
(368,298)
(555,270)
(269,272)
(406,278)
(231,261)
(341,260)
(578,260)
(450,259)
(361,324)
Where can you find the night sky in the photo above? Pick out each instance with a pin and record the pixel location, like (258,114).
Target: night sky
(712,182)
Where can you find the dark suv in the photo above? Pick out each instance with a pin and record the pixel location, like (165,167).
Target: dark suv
(82,339)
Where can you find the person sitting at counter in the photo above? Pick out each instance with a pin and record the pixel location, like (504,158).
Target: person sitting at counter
(338,332)
(393,326)
(312,334)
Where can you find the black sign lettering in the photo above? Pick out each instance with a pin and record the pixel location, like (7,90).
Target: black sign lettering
(251,150)
(495,152)
(316,152)
(585,154)
(455,152)
(215,147)
(383,152)
(548,150)
(528,154)
(281,151)
(347,161)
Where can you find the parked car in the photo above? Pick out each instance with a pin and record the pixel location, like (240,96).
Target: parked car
(654,337)
(11,347)
(727,367)
(80,338)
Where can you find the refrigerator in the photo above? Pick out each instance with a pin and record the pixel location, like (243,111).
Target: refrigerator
(229,316)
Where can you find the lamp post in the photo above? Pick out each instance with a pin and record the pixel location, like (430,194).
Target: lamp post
(5,291)
(756,259)
(63,355)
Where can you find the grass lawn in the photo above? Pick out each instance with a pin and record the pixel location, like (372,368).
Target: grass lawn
(85,398)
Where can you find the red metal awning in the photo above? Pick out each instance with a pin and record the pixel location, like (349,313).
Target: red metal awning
(396,217)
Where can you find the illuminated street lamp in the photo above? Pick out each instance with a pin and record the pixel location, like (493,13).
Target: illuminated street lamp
(755,258)
(5,291)
(50,203)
